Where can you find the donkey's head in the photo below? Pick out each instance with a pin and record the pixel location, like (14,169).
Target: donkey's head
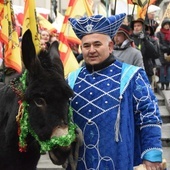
(47,94)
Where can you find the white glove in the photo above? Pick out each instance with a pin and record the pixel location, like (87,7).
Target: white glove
(141,35)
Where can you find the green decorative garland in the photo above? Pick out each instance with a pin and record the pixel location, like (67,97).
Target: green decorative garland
(24,127)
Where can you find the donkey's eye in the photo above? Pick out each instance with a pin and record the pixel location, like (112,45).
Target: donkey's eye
(39,102)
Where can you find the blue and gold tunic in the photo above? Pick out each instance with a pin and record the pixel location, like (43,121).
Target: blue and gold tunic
(120,121)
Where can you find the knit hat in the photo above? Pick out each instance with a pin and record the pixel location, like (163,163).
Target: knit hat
(97,24)
(153,8)
(165,21)
(125,29)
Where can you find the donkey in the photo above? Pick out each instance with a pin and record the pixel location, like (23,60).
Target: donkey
(34,111)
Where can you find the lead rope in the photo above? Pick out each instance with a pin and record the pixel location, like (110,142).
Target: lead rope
(73,156)
(117,124)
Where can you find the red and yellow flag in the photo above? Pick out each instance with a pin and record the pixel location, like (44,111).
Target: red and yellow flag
(141,3)
(69,61)
(30,22)
(4,32)
(1,53)
(9,37)
(141,11)
(43,23)
(76,9)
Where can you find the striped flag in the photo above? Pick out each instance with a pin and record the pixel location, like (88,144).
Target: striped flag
(9,37)
(4,32)
(141,10)
(141,3)
(30,22)
(1,54)
(69,61)
(43,23)
(76,8)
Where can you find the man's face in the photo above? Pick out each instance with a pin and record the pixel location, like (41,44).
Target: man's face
(151,15)
(138,27)
(96,48)
(119,38)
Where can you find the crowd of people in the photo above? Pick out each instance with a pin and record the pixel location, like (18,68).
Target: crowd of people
(138,38)
(46,39)
(147,48)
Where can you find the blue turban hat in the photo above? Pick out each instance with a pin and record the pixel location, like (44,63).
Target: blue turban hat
(97,24)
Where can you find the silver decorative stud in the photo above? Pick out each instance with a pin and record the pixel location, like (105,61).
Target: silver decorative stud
(89,27)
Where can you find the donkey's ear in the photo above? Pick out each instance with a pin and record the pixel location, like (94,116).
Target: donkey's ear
(55,57)
(54,53)
(28,51)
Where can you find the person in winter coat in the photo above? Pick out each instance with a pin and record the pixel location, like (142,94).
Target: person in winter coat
(164,42)
(123,48)
(144,44)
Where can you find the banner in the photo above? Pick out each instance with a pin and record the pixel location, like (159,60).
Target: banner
(142,10)
(167,13)
(44,24)
(76,9)
(9,37)
(30,22)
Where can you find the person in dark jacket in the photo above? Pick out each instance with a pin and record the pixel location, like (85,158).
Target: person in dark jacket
(144,44)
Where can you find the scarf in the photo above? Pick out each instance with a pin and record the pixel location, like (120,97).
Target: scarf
(122,46)
(166,34)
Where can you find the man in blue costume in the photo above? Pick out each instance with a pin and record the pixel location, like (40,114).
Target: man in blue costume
(113,103)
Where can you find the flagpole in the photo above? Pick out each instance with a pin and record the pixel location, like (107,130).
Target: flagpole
(146,16)
(107,8)
(115,7)
(132,16)
(3,63)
